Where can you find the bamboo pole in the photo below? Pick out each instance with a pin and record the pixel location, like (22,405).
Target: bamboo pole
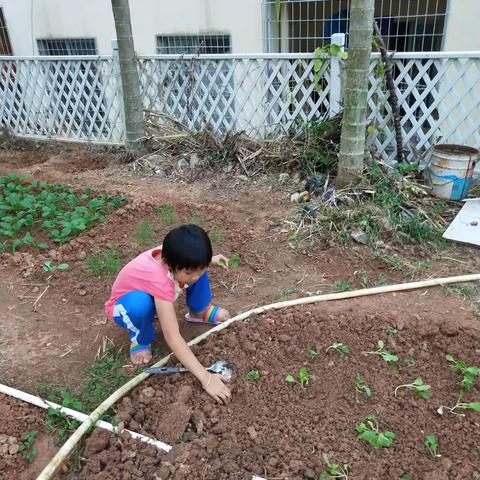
(71,443)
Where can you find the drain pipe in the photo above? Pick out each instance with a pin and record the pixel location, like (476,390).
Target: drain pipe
(71,443)
(82,417)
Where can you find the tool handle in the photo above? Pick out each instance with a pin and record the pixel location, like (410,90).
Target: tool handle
(166,370)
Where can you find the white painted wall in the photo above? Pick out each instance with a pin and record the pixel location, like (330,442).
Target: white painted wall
(242,19)
(461,31)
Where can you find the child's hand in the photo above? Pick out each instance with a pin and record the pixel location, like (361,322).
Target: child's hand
(214,386)
(220,261)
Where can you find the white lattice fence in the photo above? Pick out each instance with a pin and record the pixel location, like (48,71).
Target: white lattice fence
(61,98)
(262,95)
(439,98)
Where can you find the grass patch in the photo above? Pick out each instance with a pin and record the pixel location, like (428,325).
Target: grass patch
(106,263)
(196,218)
(166,214)
(467,291)
(216,235)
(341,286)
(145,233)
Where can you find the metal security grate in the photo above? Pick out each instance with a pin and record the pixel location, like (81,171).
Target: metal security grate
(67,46)
(193,44)
(302,25)
(5,45)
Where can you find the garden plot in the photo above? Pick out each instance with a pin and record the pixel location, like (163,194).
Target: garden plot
(332,390)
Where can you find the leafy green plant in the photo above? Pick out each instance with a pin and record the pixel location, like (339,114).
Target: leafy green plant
(431,443)
(29,451)
(474,406)
(145,233)
(361,388)
(341,286)
(332,470)
(312,352)
(302,378)
(469,373)
(166,214)
(252,375)
(106,263)
(369,432)
(340,348)
(234,260)
(48,266)
(420,388)
(385,354)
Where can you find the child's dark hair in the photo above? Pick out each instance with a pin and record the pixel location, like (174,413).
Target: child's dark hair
(187,247)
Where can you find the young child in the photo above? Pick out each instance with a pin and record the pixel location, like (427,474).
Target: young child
(149,285)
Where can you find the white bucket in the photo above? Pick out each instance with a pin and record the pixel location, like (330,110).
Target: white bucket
(451,170)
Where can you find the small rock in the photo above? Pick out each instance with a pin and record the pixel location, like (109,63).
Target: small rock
(252,432)
(183,164)
(400,324)
(12,440)
(82,292)
(308,473)
(219,428)
(359,236)
(273,461)
(13,449)
(81,255)
(148,392)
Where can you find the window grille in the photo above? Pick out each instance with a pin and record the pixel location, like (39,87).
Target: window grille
(67,46)
(193,44)
(302,25)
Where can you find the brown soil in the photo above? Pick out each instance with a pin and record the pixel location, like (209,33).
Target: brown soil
(279,430)
(54,342)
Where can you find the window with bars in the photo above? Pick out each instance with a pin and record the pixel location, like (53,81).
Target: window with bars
(67,46)
(208,43)
(303,25)
(5,45)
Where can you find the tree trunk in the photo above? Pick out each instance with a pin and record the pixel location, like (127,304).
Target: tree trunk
(132,98)
(352,142)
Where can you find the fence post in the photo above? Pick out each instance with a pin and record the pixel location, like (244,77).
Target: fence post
(336,76)
(118,85)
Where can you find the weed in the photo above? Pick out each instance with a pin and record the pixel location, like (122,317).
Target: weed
(166,214)
(340,348)
(390,330)
(385,354)
(145,233)
(469,373)
(302,378)
(420,388)
(369,432)
(468,292)
(432,445)
(405,476)
(48,266)
(234,260)
(361,388)
(252,375)
(341,286)
(106,263)
(216,235)
(332,470)
(196,218)
(410,360)
(29,451)
(312,352)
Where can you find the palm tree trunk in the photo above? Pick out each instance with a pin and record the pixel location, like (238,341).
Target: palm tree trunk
(132,98)
(352,141)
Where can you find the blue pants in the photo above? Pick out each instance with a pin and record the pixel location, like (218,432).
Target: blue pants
(136,312)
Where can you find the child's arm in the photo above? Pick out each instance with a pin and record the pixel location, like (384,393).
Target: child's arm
(212,383)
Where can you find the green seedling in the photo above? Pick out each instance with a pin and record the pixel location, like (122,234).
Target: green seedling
(474,406)
(405,476)
(48,266)
(234,260)
(341,286)
(361,388)
(145,233)
(390,330)
(252,375)
(312,352)
(332,470)
(410,360)
(469,373)
(166,214)
(418,386)
(340,348)
(29,451)
(431,443)
(369,432)
(302,378)
(385,354)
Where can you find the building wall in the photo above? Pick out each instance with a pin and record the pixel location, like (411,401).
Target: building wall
(242,19)
(462,32)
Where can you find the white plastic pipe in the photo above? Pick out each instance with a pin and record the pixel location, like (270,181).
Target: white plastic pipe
(82,417)
(71,443)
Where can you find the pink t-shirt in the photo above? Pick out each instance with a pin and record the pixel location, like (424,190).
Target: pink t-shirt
(146,274)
